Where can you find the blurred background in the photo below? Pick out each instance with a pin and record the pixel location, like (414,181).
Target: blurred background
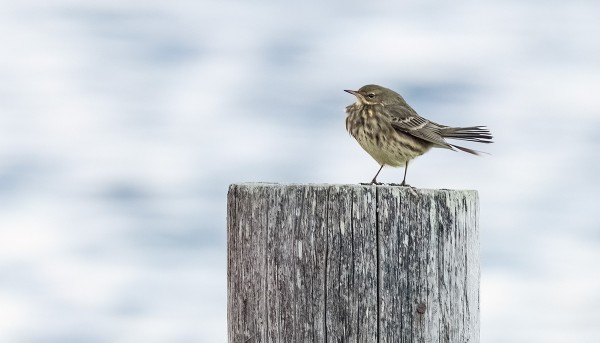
(122,123)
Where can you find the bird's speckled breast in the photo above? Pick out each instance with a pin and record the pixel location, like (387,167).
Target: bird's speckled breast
(375,134)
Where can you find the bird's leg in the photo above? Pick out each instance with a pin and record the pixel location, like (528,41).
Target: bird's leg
(403,184)
(374,181)
(404,179)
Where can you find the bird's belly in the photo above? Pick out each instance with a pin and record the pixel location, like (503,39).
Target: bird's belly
(390,148)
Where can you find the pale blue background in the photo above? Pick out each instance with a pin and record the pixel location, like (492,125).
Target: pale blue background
(123,122)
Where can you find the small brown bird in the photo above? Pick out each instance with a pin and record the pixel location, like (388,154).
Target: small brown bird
(393,133)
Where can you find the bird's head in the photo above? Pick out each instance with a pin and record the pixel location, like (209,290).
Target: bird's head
(374,94)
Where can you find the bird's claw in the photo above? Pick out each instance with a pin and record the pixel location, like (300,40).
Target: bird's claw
(403,184)
(371,183)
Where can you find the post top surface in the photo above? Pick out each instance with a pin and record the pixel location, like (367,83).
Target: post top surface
(348,186)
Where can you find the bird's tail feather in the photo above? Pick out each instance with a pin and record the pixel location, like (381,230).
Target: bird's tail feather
(479,134)
(470,151)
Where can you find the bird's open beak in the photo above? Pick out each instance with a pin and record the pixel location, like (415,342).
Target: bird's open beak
(351,92)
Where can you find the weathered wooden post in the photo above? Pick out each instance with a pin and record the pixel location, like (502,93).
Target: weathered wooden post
(350,263)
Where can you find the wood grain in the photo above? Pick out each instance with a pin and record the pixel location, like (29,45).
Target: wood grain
(350,263)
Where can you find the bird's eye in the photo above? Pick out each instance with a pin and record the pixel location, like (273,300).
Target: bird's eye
(371,95)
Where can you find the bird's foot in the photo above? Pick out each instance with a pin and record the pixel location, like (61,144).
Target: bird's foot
(403,184)
(371,183)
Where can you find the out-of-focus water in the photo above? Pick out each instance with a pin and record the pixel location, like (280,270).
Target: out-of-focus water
(123,123)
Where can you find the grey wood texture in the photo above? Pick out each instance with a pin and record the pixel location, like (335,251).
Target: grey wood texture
(351,263)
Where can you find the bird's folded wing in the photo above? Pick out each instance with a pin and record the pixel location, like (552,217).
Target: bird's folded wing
(405,119)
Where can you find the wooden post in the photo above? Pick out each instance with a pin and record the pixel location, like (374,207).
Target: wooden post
(350,263)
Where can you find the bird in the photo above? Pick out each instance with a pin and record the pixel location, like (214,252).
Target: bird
(393,133)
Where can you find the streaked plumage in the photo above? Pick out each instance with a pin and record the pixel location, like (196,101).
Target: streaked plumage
(393,133)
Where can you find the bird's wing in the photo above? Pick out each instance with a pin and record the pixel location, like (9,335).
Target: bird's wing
(405,119)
